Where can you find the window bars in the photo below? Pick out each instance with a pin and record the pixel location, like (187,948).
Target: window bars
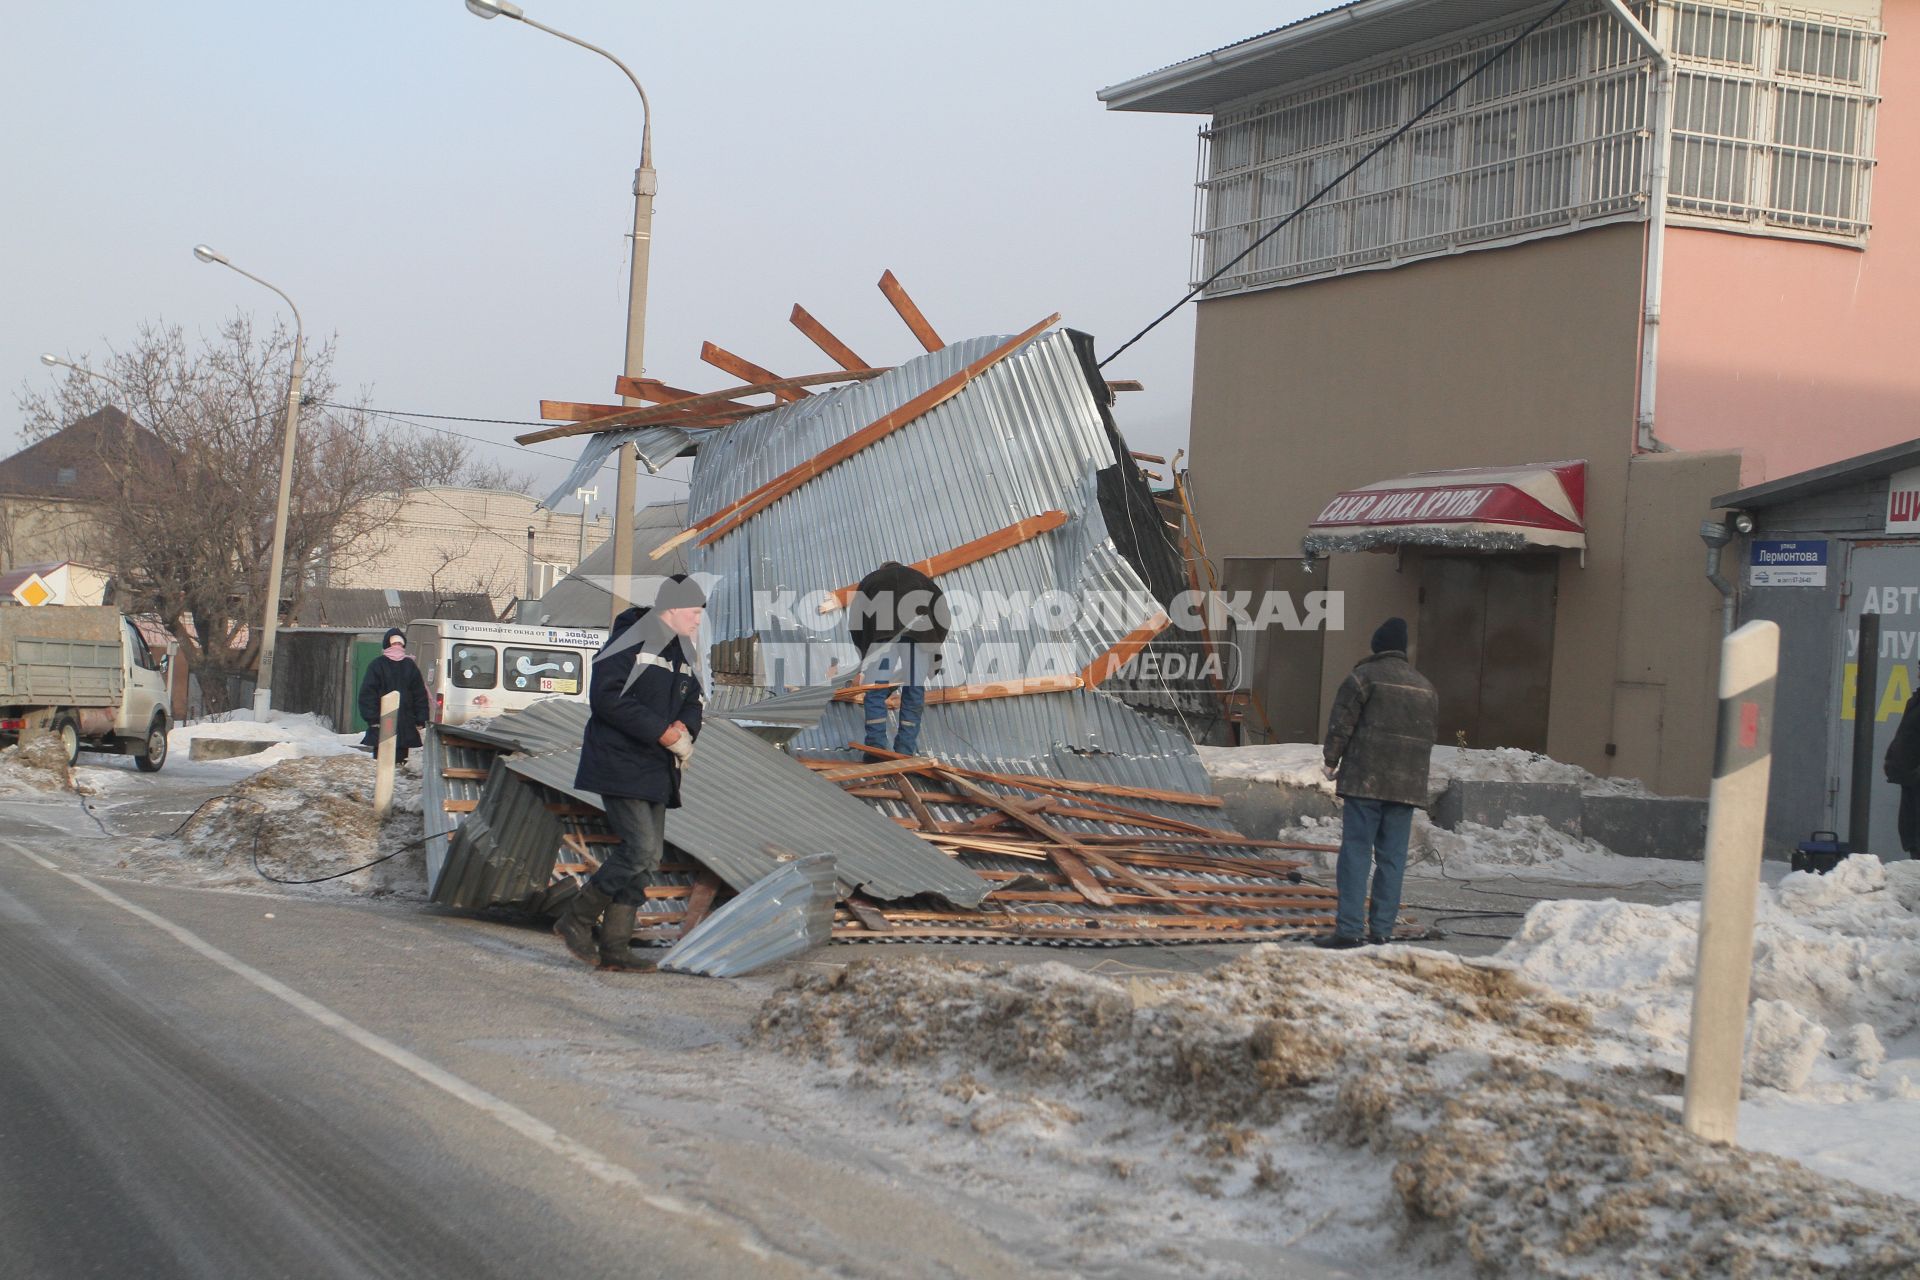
(1773,114)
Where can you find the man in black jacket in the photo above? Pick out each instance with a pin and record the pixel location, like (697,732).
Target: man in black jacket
(903,613)
(1902,767)
(1379,740)
(645,696)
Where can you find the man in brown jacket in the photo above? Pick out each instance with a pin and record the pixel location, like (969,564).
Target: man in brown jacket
(1379,739)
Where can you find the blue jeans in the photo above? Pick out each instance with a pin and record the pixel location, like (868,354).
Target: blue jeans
(642,828)
(1372,832)
(898,660)
(913,698)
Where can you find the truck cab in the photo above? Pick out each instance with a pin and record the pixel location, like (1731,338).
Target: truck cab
(86,675)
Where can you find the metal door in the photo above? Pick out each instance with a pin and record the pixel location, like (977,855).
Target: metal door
(1486,642)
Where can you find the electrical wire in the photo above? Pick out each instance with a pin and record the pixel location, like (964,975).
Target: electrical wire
(1344,174)
(396,416)
(411,844)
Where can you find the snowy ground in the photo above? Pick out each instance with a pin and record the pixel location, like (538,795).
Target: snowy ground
(1299,764)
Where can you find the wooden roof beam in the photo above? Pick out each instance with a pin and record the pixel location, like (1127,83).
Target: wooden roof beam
(818,334)
(740,367)
(969,553)
(897,295)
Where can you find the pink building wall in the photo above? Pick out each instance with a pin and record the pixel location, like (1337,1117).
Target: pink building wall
(1801,353)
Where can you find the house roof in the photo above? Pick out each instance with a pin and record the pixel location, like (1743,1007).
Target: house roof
(369,608)
(1866,466)
(1312,47)
(71,463)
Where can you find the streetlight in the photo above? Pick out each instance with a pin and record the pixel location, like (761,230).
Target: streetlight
(263,687)
(53,361)
(645,185)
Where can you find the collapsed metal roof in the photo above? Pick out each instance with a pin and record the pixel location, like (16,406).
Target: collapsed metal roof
(746,807)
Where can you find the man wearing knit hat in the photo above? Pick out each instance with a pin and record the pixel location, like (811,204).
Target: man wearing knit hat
(1379,739)
(645,696)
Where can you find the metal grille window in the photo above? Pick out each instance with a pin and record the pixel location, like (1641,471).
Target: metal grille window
(1549,137)
(1773,118)
(1772,130)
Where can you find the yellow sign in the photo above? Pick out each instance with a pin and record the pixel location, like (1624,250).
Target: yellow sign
(33,592)
(1896,687)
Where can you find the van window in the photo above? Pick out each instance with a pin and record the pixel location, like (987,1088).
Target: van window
(543,670)
(137,646)
(474,666)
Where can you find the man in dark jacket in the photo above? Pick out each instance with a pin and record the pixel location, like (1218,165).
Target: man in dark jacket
(1902,767)
(1379,739)
(903,613)
(393,671)
(645,696)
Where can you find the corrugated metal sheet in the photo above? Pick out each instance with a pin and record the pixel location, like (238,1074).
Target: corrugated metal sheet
(745,805)
(657,446)
(1026,436)
(581,599)
(503,853)
(787,914)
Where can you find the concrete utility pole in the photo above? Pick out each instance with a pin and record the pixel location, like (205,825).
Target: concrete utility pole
(1736,823)
(263,685)
(645,185)
(584,496)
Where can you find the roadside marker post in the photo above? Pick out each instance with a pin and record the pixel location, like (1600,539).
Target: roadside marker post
(1736,823)
(383,769)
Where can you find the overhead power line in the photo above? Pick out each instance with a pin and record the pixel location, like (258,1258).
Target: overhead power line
(1344,174)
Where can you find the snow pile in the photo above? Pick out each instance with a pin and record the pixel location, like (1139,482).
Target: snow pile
(1532,844)
(1411,1114)
(1298,764)
(1836,977)
(39,764)
(297,737)
(304,819)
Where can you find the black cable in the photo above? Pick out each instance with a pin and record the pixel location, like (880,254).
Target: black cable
(411,844)
(444,417)
(1346,173)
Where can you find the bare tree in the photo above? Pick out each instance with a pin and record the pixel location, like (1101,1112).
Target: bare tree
(190,534)
(431,458)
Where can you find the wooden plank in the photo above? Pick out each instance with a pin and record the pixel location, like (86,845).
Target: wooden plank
(1148,457)
(736,513)
(870,916)
(818,334)
(967,553)
(912,764)
(1124,652)
(574,411)
(972,692)
(460,806)
(477,775)
(740,367)
(649,415)
(706,886)
(910,312)
(1125,384)
(657,392)
(1069,858)
(921,813)
(1030,780)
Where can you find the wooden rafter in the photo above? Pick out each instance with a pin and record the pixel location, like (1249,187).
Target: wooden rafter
(574,411)
(897,295)
(967,553)
(1121,654)
(818,334)
(973,692)
(650,415)
(655,391)
(741,367)
(734,514)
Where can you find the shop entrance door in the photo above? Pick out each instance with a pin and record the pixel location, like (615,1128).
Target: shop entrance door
(1486,642)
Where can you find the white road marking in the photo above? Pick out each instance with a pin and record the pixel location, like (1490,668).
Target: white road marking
(521,1122)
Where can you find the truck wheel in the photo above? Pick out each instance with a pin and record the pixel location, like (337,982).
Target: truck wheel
(152,753)
(67,729)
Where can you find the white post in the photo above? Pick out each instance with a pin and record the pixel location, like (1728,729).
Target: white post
(1736,823)
(383,768)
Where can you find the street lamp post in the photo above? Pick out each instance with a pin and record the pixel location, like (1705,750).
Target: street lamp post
(263,687)
(645,185)
(53,361)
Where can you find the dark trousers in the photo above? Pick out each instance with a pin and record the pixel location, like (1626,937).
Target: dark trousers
(642,828)
(1910,821)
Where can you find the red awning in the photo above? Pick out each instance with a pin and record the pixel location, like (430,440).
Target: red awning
(1542,504)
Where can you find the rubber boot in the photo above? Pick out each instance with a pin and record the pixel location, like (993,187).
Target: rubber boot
(616,942)
(575,925)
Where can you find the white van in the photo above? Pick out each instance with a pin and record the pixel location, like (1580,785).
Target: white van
(479,669)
